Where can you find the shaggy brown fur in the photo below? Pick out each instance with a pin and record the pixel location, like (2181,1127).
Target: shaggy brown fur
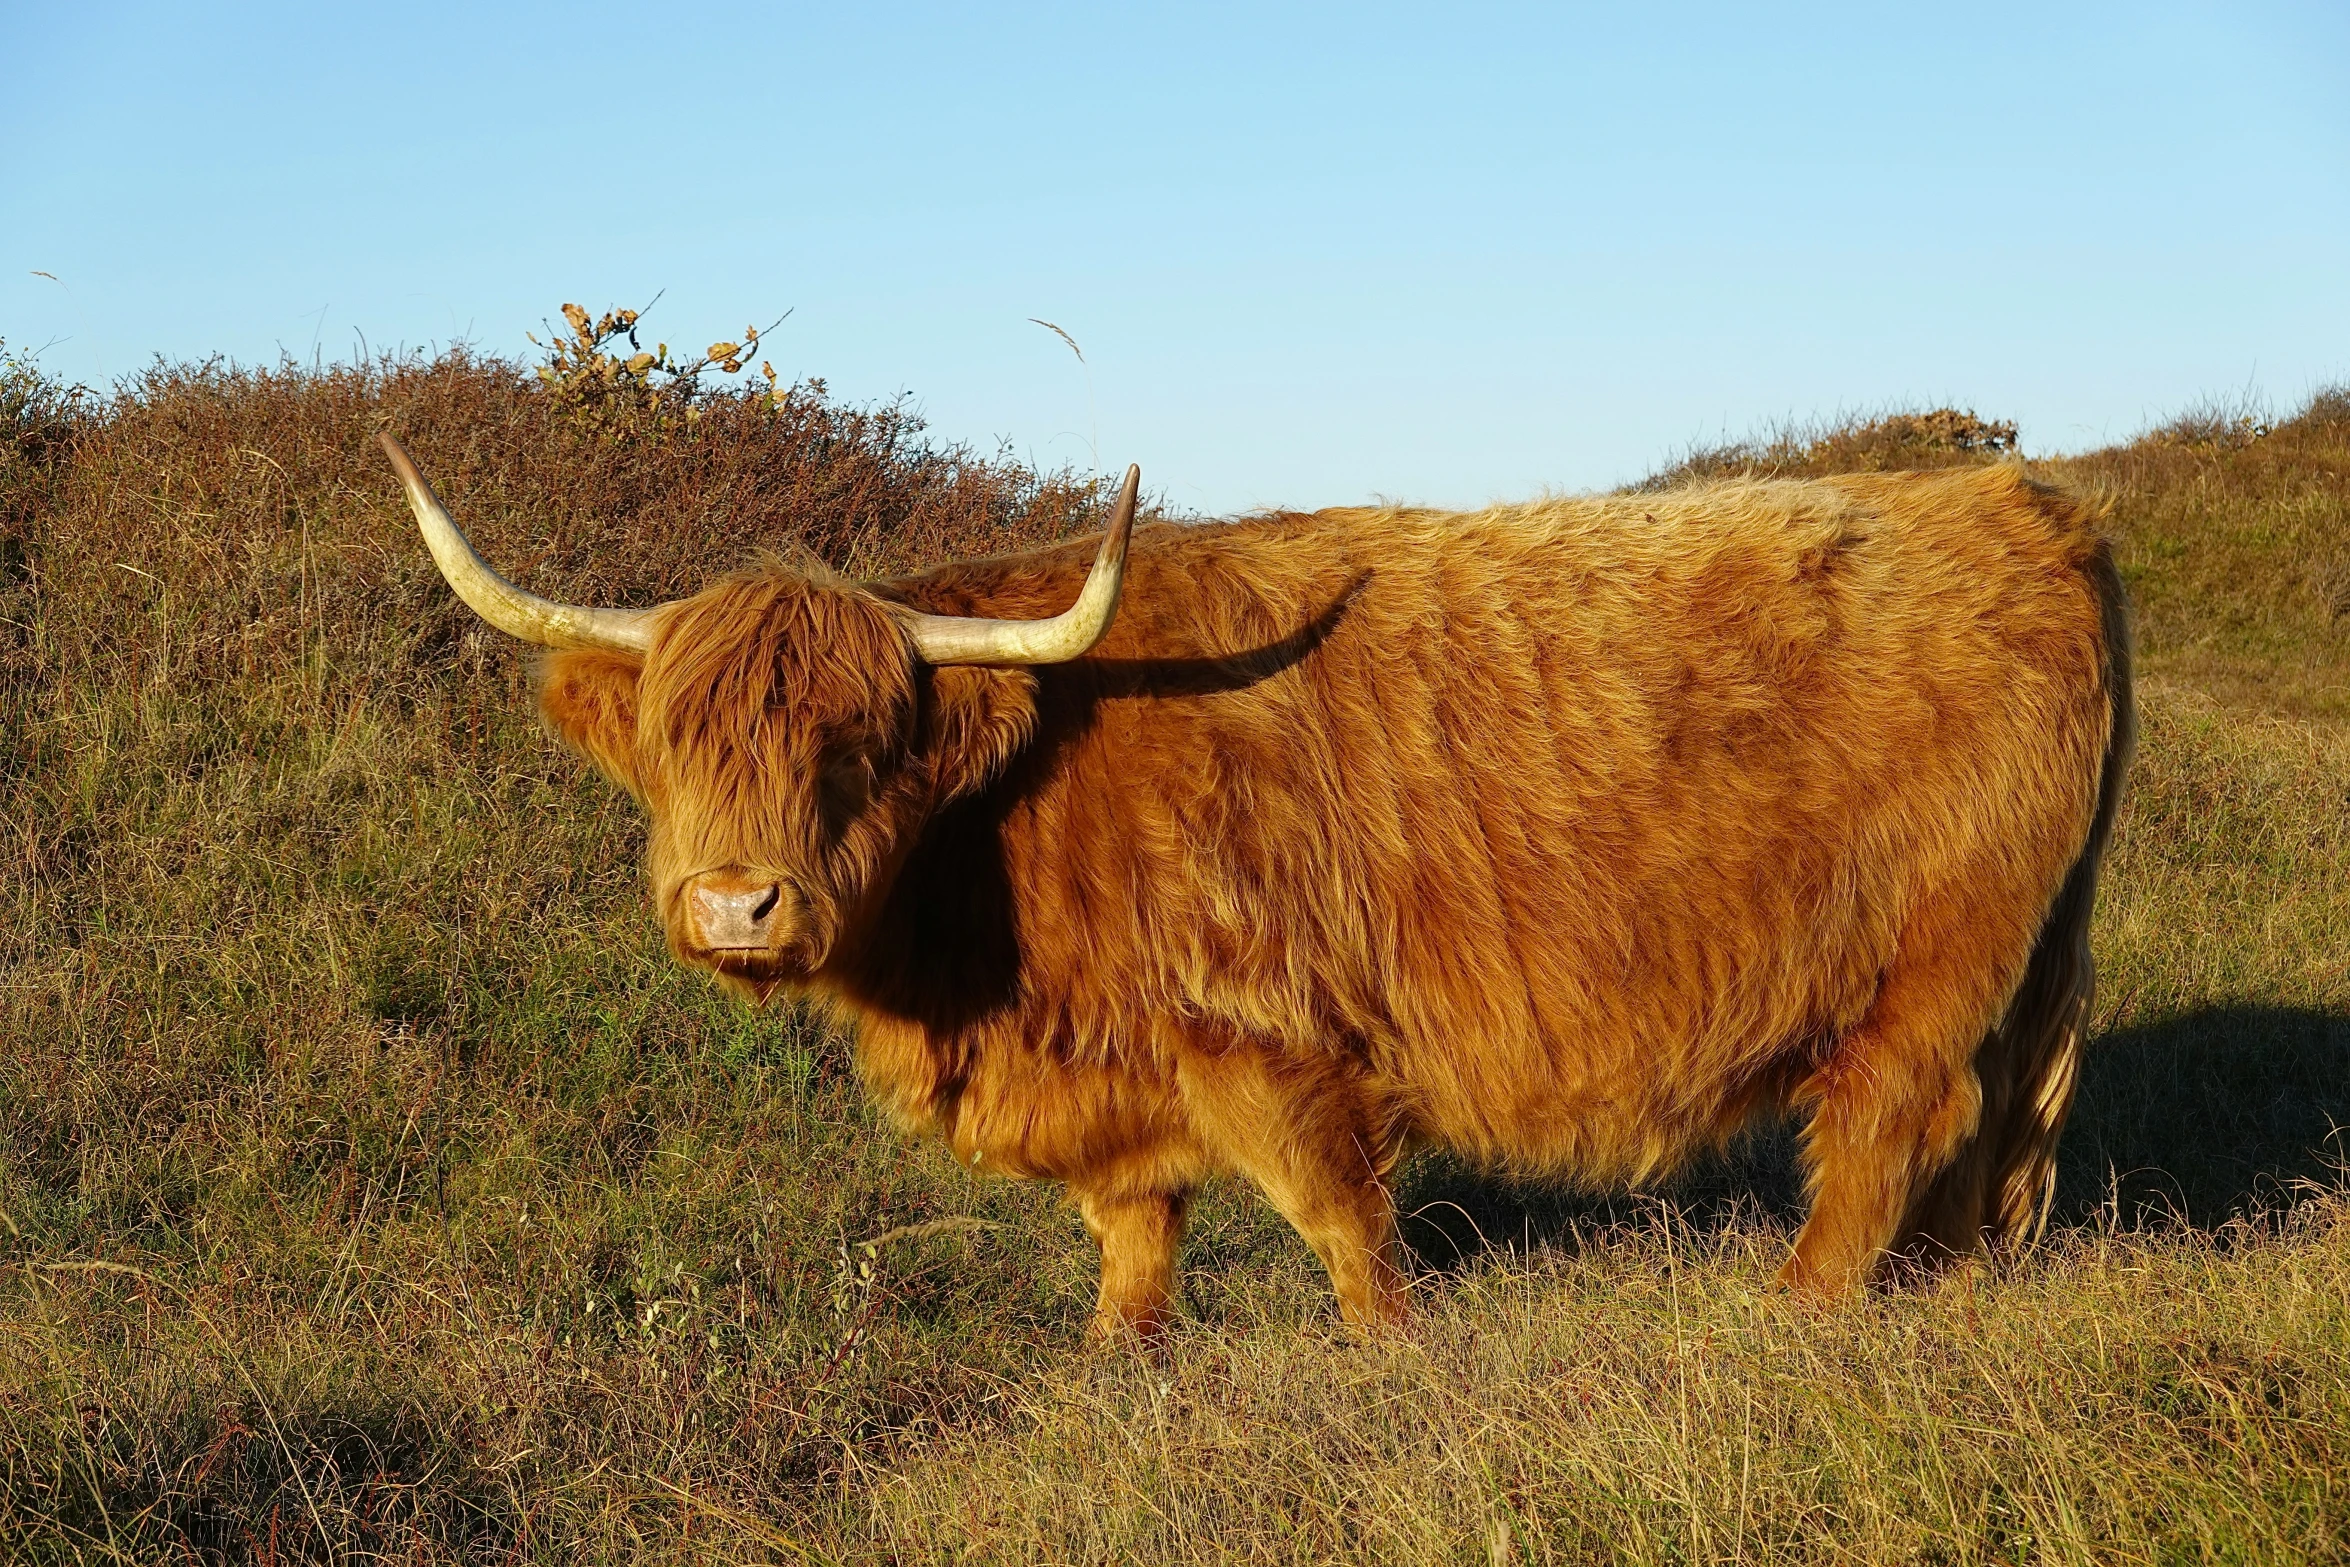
(1569,836)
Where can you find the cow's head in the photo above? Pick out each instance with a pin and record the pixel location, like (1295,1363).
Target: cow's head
(787,731)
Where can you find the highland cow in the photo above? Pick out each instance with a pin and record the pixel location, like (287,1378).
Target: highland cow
(1571,836)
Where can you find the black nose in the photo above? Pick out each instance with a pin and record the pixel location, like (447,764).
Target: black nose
(728,912)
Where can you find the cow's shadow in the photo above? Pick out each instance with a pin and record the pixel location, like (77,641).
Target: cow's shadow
(2198,1119)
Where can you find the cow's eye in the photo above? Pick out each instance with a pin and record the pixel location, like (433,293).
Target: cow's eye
(845,781)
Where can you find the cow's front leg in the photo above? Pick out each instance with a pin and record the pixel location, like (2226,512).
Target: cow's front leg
(1336,1197)
(1138,1234)
(1313,1141)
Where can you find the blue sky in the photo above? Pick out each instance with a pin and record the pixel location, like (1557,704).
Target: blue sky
(1314,254)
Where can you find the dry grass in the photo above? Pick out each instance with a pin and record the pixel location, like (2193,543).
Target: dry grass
(1647,1397)
(371,1186)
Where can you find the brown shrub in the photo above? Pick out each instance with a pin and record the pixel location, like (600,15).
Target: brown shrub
(250,513)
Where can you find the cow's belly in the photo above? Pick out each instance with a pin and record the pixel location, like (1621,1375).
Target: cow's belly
(1610,1057)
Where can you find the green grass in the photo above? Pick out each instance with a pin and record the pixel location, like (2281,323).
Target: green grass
(372,1187)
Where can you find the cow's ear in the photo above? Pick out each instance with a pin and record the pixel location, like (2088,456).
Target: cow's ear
(589,698)
(977,720)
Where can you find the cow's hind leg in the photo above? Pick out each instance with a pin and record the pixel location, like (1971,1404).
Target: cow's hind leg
(1138,1234)
(1898,1097)
(1313,1141)
(1997,1193)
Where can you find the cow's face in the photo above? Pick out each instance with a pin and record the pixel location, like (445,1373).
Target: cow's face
(788,732)
(788,746)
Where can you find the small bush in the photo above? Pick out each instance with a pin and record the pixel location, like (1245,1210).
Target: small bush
(1939,438)
(1897,439)
(586,379)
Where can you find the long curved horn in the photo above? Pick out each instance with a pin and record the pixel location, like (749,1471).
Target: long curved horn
(501,603)
(955,639)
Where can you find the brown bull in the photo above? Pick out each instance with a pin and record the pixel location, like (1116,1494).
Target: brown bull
(1570,836)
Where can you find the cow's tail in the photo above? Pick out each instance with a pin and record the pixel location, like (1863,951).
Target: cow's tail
(1999,1190)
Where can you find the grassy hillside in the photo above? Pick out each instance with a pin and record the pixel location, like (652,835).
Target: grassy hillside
(373,1187)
